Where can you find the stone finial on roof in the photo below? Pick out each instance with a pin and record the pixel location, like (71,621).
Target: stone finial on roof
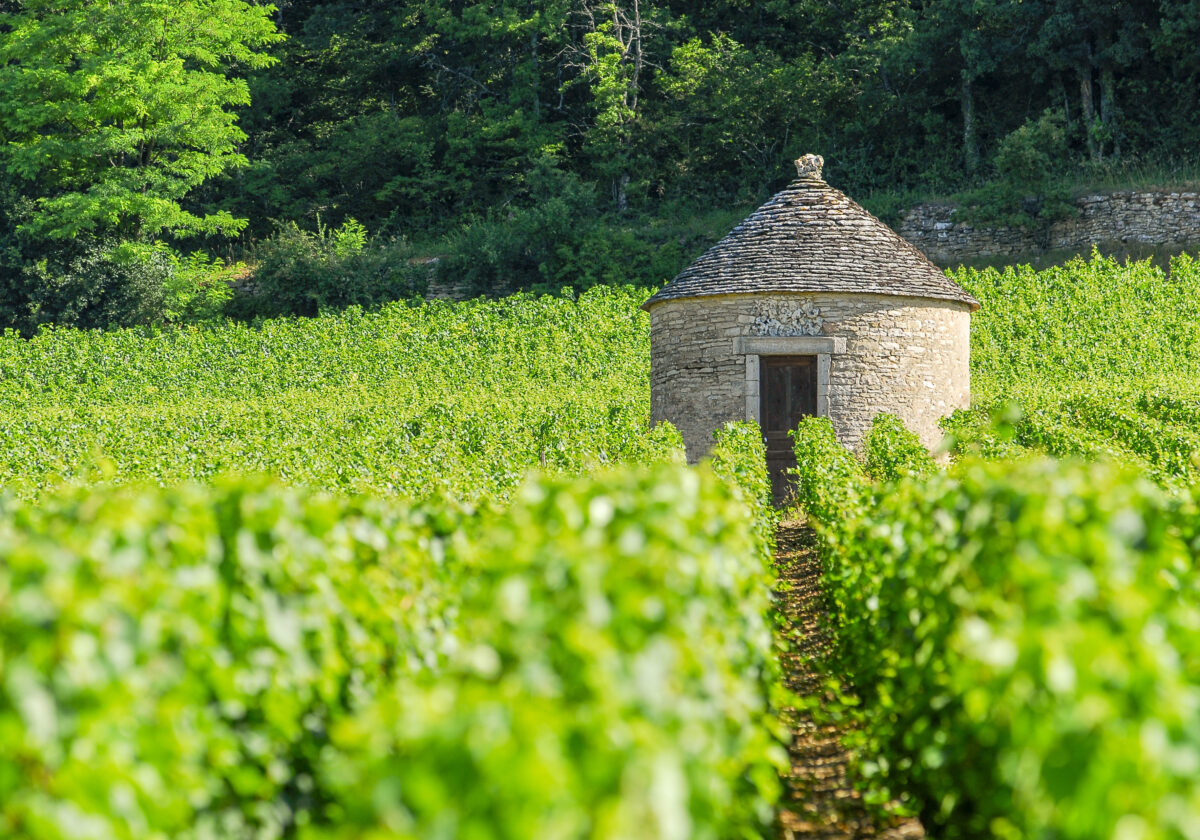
(809,166)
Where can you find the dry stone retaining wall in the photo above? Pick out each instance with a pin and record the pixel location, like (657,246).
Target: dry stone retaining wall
(1158,218)
(908,356)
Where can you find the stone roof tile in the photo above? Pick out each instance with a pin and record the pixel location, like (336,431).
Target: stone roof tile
(812,238)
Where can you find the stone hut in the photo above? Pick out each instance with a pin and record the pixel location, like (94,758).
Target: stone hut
(811,306)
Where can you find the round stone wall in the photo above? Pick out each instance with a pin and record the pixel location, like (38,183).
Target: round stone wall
(906,356)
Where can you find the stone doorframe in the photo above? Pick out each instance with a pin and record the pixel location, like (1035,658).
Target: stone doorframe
(754,347)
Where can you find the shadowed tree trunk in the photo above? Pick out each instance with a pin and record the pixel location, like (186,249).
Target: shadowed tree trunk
(1108,108)
(970,136)
(1087,107)
(610,52)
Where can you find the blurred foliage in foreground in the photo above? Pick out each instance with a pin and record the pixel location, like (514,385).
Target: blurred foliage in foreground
(1015,643)
(246,660)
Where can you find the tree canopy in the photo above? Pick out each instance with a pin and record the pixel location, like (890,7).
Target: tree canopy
(113,111)
(405,116)
(541,143)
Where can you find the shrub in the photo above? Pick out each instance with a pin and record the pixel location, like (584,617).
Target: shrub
(892,452)
(555,244)
(197,288)
(97,284)
(298,272)
(559,238)
(1035,152)
(522,245)
(1021,641)
(830,484)
(1027,192)
(104,283)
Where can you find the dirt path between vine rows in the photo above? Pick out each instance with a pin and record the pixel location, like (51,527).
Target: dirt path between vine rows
(819,801)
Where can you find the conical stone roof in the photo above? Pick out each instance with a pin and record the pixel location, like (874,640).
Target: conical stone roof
(812,238)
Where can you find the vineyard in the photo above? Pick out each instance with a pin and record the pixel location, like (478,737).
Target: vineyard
(1015,645)
(250,660)
(412,401)
(1094,359)
(433,400)
(296,581)
(426,572)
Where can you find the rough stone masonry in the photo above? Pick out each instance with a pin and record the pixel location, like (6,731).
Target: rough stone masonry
(1148,218)
(909,357)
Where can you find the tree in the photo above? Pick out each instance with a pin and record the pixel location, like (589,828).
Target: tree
(730,115)
(1097,41)
(612,56)
(112,111)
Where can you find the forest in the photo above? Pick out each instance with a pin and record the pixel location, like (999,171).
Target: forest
(172,162)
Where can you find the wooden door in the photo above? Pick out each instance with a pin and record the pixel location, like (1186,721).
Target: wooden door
(788,392)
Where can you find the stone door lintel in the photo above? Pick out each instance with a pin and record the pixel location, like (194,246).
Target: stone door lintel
(754,347)
(789,345)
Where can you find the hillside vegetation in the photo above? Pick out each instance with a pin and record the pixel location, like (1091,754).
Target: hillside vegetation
(330,145)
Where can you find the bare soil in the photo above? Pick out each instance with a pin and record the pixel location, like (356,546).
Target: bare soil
(819,801)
